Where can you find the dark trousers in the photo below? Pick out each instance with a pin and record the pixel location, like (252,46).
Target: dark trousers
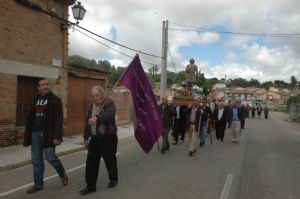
(179,129)
(220,132)
(243,123)
(266,115)
(101,147)
(165,136)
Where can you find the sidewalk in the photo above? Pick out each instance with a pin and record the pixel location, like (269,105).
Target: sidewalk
(281,115)
(16,156)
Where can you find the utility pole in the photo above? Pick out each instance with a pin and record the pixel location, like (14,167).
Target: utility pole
(225,97)
(164,54)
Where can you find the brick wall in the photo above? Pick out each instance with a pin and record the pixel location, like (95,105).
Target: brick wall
(30,36)
(8,100)
(123,102)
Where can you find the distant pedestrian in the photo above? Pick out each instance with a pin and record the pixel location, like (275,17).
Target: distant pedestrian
(243,113)
(206,114)
(266,112)
(259,110)
(180,123)
(253,110)
(167,112)
(220,118)
(44,131)
(234,120)
(248,109)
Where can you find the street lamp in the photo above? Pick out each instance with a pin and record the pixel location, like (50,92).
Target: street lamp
(78,12)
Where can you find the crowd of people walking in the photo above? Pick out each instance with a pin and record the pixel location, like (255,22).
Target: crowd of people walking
(202,118)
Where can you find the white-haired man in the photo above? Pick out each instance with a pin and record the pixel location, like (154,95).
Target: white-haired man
(100,138)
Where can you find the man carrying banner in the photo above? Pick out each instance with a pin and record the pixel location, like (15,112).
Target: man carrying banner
(167,112)
(100,138)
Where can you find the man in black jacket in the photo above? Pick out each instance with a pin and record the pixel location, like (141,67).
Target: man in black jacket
(43,132)
(180,123)
(167,112)
(220,119)
(207,113)
(242,109)
(100,138)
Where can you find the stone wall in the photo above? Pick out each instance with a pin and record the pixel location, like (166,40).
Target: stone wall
(295,112)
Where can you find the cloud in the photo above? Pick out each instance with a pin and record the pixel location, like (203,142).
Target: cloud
(117,63)
(138,24)
(231,56)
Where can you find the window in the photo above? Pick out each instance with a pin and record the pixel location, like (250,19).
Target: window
(26,91)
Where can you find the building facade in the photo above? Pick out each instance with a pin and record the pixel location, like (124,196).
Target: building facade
(32,45)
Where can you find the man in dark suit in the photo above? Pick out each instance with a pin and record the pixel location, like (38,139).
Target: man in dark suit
(243,114)
(220,118)
(180,123)
(167,112)
(205,116)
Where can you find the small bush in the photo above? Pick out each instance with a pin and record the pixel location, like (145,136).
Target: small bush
(294,99)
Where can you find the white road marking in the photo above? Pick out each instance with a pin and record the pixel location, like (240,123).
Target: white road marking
(226,189)
(45,179)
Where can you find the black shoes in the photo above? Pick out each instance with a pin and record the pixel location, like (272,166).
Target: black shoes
(87,190)
(65,179)
(192,152)
(112,184)
(34,189)
(164,150)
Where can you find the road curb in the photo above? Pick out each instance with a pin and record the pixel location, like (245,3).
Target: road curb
(28,162)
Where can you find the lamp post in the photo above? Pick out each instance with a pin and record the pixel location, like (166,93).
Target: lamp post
(78,12)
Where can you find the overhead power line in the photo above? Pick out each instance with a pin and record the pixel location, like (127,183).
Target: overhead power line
(127,47)
(238,33)
(171,58)
(146,62)
(201,30)
(69,23)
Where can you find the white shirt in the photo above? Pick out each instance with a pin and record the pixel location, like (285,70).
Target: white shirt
(220,113)
(193,114)
(177,112)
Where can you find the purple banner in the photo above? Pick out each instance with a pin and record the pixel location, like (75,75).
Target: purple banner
(149,125)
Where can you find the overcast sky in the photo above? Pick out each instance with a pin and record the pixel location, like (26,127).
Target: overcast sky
(138,24)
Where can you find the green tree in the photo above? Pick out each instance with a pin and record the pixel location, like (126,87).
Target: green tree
(115,75)
(90,64)
(254,83)
(266,85)
(293,81)
(280,84)
(294,99)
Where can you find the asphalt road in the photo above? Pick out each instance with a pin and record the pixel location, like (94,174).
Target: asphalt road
(264,165)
